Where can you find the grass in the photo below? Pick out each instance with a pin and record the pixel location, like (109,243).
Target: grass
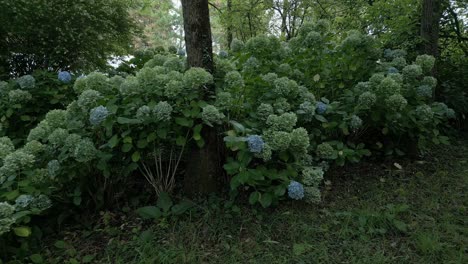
(372,213)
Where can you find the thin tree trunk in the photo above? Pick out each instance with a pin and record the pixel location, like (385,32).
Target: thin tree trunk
(229,27)
(204,167)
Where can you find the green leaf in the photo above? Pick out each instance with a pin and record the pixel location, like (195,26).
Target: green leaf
(60,244)
(127,121)
(151,137)
(237,126)
(266,200)
(184,121)
(36,258)
(180,141)
(25,118)
(136,156)
(88,258)
(22,231)
(254,197)
(149,212)
(181,207)
(164,202)
(113,141)
(142,143)
(127,147)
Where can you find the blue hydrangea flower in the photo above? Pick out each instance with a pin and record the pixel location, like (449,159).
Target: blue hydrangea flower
(223,54)
(295,190)
(98,115)
(392,70)
(64,76)
(26,82)
(321,108)
(23,201)
(181,52)
(255,143)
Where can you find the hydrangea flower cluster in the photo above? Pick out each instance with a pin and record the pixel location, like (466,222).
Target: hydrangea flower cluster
(6,147)
(398,62)
(325,151)
(23,201)
(266,153)
(426,62)
(162,111)
(233,79)
(255,143)
(14,162)
(251,64)
(85,151)
(387,87)
(19,96)
(295,190)
(143,113)
(307,110)
(6,219)
(300,141)
(26,82)
(281,105)
(270,77)
(424,113)
(53,167)
(412,72)
(97,115)
(312,176)
(429,81)
(211,115)
(396,102)
(56,118)
(224,100)
(58,137)
(88,99)
(392,70)
(64,76)
(130,86)
(284,87)
(174,64)
(173,89)
(321,108)
(197,77)
(223,54)
(237,45)
(355,122)
(424,91)
(264,110)
(367,99)
(284,122)
(99,82)
(278,140)
(181,52)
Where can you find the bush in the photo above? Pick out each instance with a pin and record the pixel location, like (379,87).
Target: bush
(25,101)
(282,128)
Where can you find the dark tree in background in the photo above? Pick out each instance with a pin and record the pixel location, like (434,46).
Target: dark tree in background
(430,19)
(204,168)
(62,34)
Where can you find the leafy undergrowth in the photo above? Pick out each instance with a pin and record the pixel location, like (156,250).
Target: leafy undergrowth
(408,212)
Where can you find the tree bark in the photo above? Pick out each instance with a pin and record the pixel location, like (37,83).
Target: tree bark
(198,34)
(204,167)
(229,27)
(431,14)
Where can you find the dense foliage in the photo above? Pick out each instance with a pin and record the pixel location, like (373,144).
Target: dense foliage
(62,34)
(285,122)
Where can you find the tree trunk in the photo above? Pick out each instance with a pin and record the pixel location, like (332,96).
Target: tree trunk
(204,167)
(229,27)
(431,13)
(198,34)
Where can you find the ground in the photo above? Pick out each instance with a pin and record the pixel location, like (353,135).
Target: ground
(372,213)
